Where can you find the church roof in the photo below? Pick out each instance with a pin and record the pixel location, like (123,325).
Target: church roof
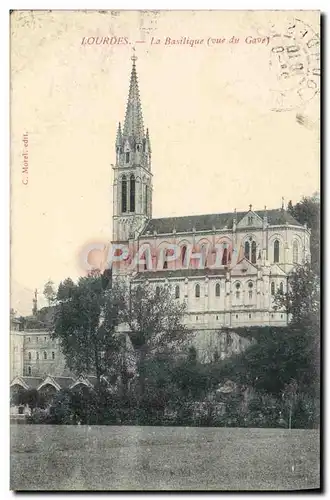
(179,273)
(210,222)
(32,382)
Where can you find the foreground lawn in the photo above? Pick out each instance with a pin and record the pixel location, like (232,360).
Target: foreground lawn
(47,457)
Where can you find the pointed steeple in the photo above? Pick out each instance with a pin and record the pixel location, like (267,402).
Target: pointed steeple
(133,125)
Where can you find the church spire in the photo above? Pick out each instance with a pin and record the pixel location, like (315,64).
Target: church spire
(133,125)
(132,141)
(132,187)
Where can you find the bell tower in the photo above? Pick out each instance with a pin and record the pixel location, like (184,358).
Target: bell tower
(132,185)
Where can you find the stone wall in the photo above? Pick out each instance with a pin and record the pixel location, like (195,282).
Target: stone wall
(218,343)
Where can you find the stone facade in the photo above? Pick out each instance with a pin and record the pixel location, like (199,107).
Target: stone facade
(16,349)
(33,353)
(42,355)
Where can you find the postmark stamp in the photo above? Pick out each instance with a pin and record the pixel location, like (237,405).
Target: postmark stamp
(294,61)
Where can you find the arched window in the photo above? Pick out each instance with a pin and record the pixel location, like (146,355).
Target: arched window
(45,355)
(238,291)
(272,288)
(225,257)
(250,290)
(177,292)
(276,251)
(254,252)
(146,201)
(217,290)
(127,157)
(29,356)
(144,258)
(124,194)
(165,261)
(183,255)
(29,370)
(281,287)
(295,252)
(132,194)
(197,291)
(37,355)
(53,355)
(204,254)
(247,250)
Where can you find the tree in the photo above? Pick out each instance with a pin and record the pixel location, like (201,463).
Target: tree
(302,299)
(155,322)
(289,397)
(85,319)
(50,292)
(302,303)
(290,207)
(280,355)
(307,211)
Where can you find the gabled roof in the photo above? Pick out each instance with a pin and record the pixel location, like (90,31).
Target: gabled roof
(276,270)
(49,380)
(29,382)
(19,381)
(210,222)
(244,265)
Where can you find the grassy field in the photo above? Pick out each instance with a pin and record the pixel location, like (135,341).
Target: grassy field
(47,457)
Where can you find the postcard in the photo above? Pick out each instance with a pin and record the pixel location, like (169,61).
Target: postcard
(165,250)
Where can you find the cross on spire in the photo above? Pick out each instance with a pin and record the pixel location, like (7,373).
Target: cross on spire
(134,58)
(133,125)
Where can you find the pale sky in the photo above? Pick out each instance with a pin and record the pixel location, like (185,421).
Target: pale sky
(217,143)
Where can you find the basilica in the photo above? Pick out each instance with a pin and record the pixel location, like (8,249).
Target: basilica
(227,267)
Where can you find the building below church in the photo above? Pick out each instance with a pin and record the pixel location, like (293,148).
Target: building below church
(226,267)
(33,352)
(36,360)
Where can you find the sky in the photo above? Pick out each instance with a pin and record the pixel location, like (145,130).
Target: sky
(220,136)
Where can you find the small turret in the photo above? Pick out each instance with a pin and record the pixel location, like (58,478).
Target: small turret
(119,138)
(35,303)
